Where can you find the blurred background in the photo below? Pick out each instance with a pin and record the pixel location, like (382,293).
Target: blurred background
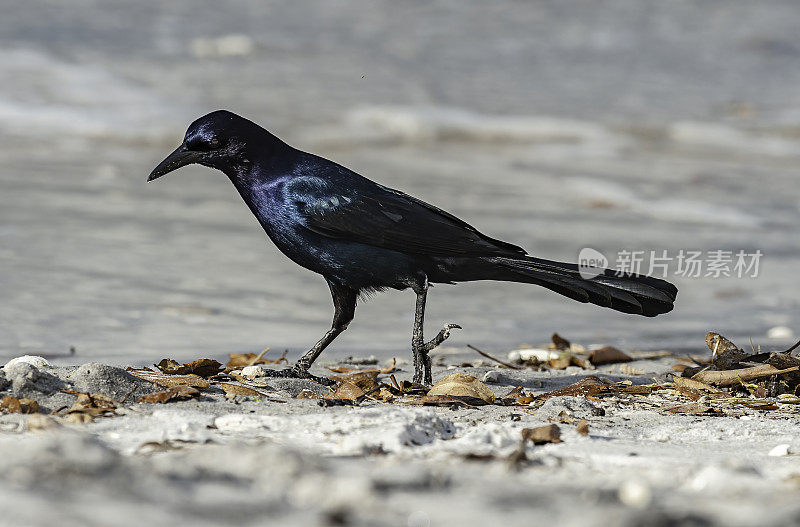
(619,124)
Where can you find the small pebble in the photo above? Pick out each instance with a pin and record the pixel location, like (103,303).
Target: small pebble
(491,376)
(251,372)
(37,362)
(780,333)
(635,494)
(779,451)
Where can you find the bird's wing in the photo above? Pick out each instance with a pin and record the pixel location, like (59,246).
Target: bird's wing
(376,215)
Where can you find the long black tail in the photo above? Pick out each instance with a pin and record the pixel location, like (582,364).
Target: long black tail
(637,294)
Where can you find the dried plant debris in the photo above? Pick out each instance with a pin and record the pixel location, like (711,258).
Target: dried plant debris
(559,342)
(355,370)
(177,393)
(12,405)
(583,427)
(92,405)
(201,367)
(733,376)
(170,381)
(561,354)
(542,434)
(242,360)
(594,387)
(608,355)
(517,396)
(462,385)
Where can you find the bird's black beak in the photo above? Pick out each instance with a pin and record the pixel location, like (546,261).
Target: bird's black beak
(182,156)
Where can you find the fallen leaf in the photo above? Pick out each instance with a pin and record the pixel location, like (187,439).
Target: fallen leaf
(589,385)
(240,360)
(608,355)
(542,434)
(170,381)
(685,382)
(719,344)
(201,367)
(346,390)
(92,404)
(559,342)
(592,386)
(236,389)
(582,428)
(177,393)
(307,394)
(12,405)
(462,385)
(365,380)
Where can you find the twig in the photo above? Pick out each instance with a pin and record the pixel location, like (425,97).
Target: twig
(792,348)
(397,386)
(506,364)
(258,358)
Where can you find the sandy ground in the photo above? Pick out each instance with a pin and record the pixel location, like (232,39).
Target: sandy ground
(555,125)
(282,460)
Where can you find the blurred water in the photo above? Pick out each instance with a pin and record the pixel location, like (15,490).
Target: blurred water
(553,125)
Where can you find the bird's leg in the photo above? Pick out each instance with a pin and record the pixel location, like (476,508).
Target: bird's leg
(420,348)
(344,304)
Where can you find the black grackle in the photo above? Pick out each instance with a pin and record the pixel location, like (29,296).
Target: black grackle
(363,237)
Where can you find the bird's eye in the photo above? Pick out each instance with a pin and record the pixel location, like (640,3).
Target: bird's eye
(214,142)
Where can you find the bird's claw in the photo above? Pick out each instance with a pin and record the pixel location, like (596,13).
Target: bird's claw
(443,335)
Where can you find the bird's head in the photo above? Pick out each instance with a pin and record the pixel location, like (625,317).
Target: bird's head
(220,140)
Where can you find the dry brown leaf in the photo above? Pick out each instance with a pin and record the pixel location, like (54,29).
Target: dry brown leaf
(589,385)
(307,394)
(582,428)
(608,355)
(559,342)
(542,434)
(240,360)
(236,389)
(592,386)
(92,404)
(365,380)
(201,367)
(170,381)
(177,393)
(686,382)
(462,385)
(346,390)
(12,405)
(719,344)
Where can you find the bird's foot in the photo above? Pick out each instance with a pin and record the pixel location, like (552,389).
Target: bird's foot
(298,372)
(422,361)
(443,335)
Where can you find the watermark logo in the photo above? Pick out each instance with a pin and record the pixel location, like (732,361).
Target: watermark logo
(591,263)
(717,263)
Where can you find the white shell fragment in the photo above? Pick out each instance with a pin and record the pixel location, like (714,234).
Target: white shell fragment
(34,360)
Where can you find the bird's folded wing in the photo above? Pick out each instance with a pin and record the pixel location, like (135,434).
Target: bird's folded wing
(388,218)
